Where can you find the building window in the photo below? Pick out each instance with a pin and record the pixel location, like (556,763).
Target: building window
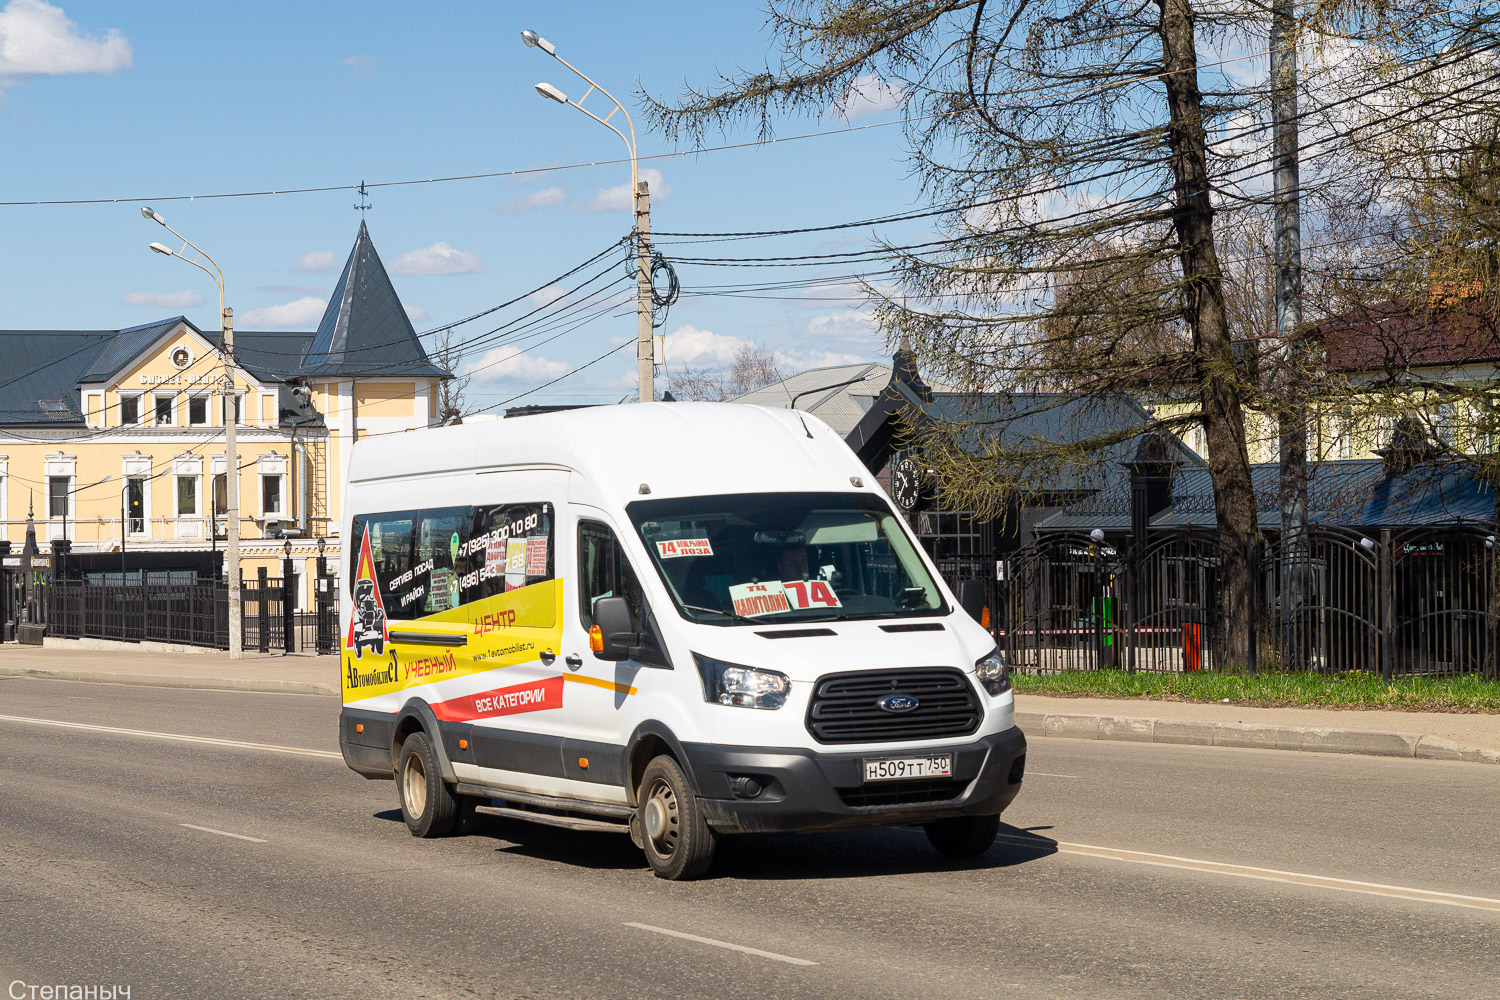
(164,411)
(197,410)
(221,494)
(135,505)
(58,488)
(270,494)
(130,410)
(187,496)
(239,409)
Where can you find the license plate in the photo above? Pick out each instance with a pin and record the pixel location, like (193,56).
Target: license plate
(939,765)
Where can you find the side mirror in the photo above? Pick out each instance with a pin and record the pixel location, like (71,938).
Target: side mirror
(612,637)
(971,598)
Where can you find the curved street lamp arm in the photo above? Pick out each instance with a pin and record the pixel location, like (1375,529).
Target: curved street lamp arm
(629,142)
(216,274)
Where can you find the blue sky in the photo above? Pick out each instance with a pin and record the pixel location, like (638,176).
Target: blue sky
(104,100)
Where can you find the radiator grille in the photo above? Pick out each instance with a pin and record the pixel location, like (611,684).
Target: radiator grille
(845,708)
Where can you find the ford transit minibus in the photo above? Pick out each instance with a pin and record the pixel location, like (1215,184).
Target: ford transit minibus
(672,620)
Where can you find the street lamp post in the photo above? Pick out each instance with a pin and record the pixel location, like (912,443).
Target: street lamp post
(641,195)
(231,417)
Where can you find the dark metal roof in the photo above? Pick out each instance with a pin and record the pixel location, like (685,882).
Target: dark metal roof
(1017,422)
(365,331)
(128,345)
(1349,492)
(45,364)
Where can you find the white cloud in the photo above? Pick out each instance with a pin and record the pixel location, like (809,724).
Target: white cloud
(38,39)
(318,260)
(867,95)
(547,296)
(163,300)
(417,314)
(536,199)
(363,67)
(509,363)
(618,198)
(688,345)
(440,258)
(852,327)
(299,313)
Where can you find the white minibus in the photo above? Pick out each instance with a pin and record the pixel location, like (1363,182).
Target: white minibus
(672,620)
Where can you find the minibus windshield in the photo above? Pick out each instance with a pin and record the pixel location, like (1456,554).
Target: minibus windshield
(785,557)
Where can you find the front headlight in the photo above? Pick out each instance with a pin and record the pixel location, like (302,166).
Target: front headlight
(743,687)
(994,673)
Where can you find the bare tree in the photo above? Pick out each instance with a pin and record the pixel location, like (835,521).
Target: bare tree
(453,393)
(754,366)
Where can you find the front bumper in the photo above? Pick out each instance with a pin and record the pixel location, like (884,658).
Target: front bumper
(806,790)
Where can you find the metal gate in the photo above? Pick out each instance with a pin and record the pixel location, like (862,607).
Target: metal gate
(271,623)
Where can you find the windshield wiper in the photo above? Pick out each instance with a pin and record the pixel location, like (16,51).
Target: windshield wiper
(719,611)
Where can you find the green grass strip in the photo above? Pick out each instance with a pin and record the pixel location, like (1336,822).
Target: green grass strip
(1349,690)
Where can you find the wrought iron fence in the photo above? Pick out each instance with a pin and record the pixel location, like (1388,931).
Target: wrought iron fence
(1422,602)
(268,616)
(193,614)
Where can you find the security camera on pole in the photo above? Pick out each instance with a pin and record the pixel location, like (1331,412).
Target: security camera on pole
(641,195)
(231,417)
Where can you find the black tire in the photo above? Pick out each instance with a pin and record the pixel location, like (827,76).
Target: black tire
(676,838)
(963,836)
(427,804)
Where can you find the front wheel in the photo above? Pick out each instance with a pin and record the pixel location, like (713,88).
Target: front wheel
(677,839)
(963,836)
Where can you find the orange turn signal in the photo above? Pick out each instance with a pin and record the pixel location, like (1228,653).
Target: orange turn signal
(583,762)
(596,639)
(463,744)
(359,727)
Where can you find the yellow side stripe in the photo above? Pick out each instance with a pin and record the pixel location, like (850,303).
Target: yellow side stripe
(597,682)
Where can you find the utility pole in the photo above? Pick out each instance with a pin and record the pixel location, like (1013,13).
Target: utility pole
(231,486)
(644,343)
(1292,418)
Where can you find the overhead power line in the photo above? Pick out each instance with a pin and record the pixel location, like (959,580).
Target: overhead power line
(905,120)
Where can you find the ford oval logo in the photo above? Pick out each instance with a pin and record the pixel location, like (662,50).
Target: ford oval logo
(897,703)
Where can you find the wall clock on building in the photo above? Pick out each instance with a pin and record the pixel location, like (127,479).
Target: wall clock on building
(906,485)
(181,358)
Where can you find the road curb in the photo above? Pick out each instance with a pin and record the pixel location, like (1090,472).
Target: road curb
(1259,736)
(240,684)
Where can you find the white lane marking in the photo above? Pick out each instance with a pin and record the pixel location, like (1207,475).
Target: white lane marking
(722,944)
(223,833)
(175,737)
(1049,774)
(1261,874)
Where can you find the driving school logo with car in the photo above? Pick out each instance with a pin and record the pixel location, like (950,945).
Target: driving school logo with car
(502,630)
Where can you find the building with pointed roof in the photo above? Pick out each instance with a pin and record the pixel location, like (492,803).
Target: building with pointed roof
(118,434)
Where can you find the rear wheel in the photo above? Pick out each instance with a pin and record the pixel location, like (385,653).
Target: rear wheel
(427,804)
(677,839)
(963,836)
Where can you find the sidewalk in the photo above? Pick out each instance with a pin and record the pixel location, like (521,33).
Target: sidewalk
(205,669)
(1434,735)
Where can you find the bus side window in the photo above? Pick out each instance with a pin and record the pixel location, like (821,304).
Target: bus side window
(603,572)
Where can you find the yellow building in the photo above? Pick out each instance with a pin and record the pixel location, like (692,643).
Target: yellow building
(1435,367)
(115,438)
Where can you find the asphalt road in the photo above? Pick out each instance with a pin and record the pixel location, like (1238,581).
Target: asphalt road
(124,860)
